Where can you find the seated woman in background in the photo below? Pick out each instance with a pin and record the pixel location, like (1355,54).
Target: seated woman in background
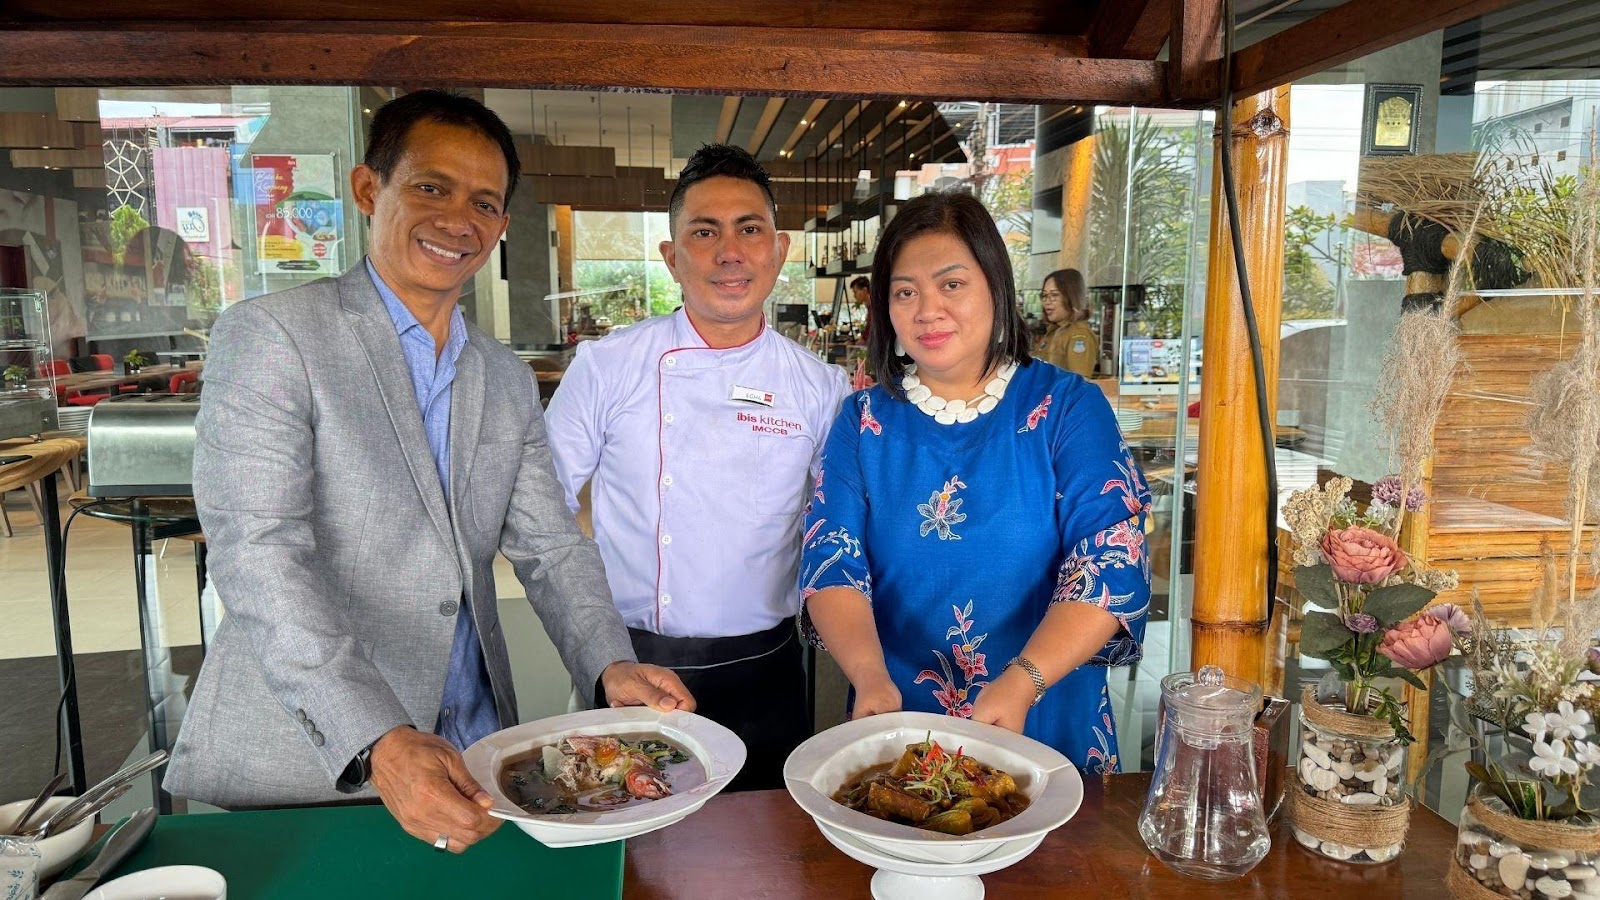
(1069,343)
(975,542)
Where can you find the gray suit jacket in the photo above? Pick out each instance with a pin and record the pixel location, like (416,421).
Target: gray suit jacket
(337,558)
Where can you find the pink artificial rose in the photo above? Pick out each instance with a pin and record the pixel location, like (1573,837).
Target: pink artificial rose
(1417,643)
(1360,555)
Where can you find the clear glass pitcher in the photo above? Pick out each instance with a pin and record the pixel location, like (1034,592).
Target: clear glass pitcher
(1203,814)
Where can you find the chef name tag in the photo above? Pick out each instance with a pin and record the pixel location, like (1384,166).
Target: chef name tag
(751,395)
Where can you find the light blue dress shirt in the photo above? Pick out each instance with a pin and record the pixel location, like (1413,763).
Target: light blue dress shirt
(466,710)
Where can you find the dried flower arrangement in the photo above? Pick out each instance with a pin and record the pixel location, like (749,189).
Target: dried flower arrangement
(1529,681)
(1370,624)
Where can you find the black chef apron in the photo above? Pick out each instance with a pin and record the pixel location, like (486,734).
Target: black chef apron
(752,684)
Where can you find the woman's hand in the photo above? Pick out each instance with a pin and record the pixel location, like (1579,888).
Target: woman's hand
(1006,700)
(881,696)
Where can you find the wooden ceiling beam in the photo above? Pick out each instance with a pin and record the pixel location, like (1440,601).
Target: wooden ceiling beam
(772,62)
(812,111)
(32,130)
(1194,70)
(730,114)
(87,158)
(1022,16)
(1130,29)
(769,115)
(1343,33)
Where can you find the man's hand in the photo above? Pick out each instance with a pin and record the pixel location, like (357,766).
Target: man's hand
(425,785)
(637,684)
(881,696)
(1006,700)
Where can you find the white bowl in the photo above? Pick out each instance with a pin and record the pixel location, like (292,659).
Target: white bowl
(58,850)
(716,748)
(821,765)
(165,883)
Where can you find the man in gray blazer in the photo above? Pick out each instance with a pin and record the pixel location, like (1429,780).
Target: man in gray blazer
(362,454)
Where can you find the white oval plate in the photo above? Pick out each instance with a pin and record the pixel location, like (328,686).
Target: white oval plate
(165,883)
(716,748)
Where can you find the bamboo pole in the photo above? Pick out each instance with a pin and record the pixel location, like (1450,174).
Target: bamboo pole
(1231,616)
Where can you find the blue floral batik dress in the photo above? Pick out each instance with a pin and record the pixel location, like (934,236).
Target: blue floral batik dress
(962,536)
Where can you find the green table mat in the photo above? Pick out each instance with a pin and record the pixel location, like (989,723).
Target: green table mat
(360,851)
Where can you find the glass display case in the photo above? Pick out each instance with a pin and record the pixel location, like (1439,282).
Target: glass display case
(28,368)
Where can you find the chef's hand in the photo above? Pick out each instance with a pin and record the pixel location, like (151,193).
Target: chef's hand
(1006,700)
(637,684)
(877,696)
(424,783)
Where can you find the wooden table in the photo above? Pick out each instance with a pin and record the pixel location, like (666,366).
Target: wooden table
(1160,431)
(93,381)
(761,846)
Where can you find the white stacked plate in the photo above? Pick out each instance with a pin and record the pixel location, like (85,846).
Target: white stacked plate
(1130,419)
(74,419)
(914,864)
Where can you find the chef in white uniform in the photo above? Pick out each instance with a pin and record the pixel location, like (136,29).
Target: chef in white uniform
(702,432)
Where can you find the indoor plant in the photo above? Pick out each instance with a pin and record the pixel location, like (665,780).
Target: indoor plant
(15,377)
(135,360)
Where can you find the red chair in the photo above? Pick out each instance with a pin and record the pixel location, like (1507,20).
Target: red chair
(59,368)
(184,383)
(103,362)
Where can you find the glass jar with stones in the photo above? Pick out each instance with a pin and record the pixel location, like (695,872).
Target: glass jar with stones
(1349,800)
(1501,855)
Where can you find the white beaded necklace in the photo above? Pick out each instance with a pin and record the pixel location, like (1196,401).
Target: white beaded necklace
(956,412)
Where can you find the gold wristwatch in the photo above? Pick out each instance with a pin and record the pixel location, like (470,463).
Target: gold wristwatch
(1033,673)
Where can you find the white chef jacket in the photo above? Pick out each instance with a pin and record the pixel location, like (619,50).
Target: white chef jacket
(698,495)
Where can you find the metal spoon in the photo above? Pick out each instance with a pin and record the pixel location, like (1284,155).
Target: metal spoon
(48,792)
(58,824)
(118,780)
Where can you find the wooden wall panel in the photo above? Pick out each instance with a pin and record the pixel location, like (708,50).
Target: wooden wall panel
(1481,442)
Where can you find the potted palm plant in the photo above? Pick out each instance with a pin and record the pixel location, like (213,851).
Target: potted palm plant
(134,360)
(16,378)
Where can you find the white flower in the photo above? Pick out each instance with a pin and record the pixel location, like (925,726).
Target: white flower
(1588,755)
(1551,760)
(1535,725)
(1568,722)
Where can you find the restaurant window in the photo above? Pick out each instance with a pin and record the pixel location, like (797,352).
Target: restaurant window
(1139,236)
(143,212)
(1494,124)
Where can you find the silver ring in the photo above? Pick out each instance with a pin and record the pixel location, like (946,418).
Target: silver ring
(441,842)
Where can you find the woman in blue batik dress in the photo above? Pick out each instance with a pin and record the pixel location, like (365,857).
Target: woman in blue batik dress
(975,543)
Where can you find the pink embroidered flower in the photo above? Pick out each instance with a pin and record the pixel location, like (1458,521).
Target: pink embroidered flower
(1131,484)
(971,662)
(1126,535)
(869,422)
(1037,415)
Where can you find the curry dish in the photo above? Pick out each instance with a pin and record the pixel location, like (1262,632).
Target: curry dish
(931,788)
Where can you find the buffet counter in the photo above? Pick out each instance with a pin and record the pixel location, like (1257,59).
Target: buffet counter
(741,847)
